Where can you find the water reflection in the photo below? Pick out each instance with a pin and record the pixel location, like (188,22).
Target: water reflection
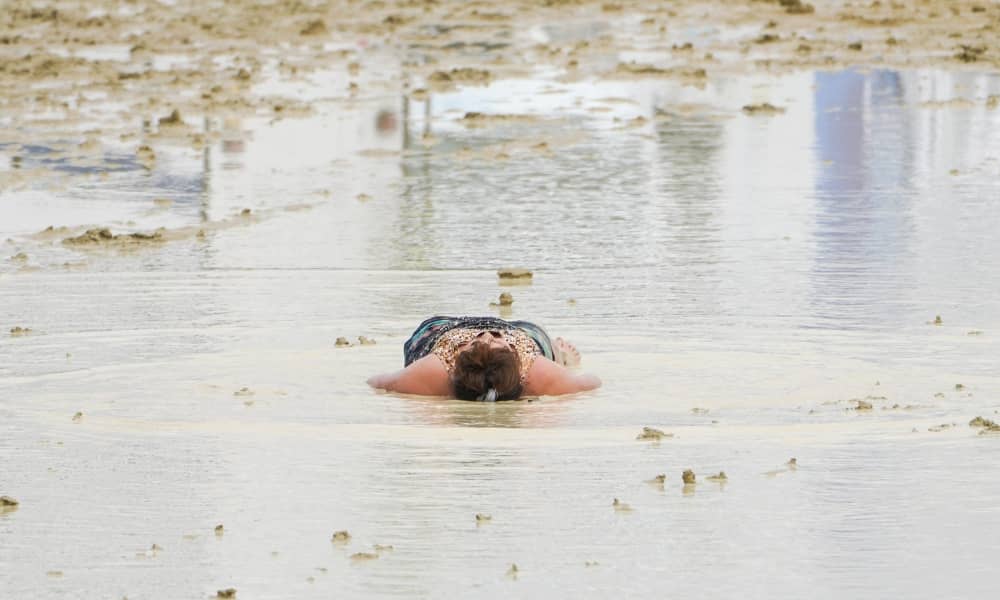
(529,412)
(863,194)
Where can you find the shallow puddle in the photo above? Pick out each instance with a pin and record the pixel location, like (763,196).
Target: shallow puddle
(737,278)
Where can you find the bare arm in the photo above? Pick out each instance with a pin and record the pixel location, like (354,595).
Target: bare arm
(424,377)
(546,378)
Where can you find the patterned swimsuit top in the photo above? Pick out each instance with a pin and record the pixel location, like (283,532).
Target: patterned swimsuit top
(450,344)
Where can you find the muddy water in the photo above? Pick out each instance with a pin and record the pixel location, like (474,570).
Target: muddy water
(738,280)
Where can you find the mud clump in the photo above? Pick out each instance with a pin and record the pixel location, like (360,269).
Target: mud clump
(981,422)
(460,75)
(226,593)
(620,506)
(797,7)
(720,478)
(764,108)
(91,236)
(652,434)
(478,119)
(174,118)
(145,155)
(969,54)
(103,236)
(862,405)
(363,556)
(341,537)
(634,68)
(688,477)
(314,27)
(505,299)
(515,274)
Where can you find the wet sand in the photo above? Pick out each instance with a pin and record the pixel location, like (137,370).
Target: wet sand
(774,242)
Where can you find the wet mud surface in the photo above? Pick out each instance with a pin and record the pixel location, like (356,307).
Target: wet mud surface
(770,227)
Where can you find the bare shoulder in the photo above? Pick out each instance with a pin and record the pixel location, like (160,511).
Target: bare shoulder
(546,378)
(424,377)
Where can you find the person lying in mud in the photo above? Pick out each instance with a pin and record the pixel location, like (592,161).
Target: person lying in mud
(487,359)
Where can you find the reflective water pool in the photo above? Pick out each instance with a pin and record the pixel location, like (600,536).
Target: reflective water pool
(739,279)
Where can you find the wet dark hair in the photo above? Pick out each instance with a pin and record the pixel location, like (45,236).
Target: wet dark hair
(481,367)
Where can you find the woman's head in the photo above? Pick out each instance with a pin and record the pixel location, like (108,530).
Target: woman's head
(487,363)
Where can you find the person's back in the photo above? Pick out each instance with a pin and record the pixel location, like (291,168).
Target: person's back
(485,358)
